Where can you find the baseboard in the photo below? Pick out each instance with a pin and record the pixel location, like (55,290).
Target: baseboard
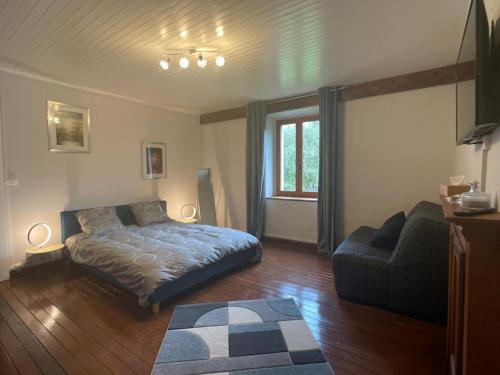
(294,242)
(294,239)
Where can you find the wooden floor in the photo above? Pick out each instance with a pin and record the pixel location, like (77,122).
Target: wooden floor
(62,320)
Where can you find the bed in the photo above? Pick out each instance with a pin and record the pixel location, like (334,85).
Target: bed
(160,260)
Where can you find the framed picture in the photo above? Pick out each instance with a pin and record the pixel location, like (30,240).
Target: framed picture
(154,162)
(68,127)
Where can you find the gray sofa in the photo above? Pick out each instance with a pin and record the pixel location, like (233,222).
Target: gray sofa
(411,279)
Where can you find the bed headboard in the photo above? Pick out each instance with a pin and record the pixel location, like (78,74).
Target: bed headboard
(71,226)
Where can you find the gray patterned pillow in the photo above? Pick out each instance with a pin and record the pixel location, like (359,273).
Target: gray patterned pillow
(148,213)
(98,220)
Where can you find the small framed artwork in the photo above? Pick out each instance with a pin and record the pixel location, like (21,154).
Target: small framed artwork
(68,127)
(154,163)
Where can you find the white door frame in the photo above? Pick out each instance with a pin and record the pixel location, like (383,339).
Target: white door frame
(4,251)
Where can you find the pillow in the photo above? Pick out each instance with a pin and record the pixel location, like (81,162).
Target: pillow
(98,220)
(386,237)
(148,213)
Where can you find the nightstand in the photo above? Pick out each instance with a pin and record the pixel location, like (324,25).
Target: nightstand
(43,250)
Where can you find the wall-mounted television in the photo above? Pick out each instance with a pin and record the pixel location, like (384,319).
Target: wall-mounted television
(478,100)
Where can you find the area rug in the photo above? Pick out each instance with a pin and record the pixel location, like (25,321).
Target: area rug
(260,337)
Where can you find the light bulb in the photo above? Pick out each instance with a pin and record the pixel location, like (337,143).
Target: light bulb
(202,62)
(220,60)
(164,64)
(219,30)
(184,62)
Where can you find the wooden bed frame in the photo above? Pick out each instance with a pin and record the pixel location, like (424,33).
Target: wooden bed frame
(70,226)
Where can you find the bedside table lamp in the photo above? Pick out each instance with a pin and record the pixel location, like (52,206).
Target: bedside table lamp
(185,209)
(41,247)
(188,214)
(45,241)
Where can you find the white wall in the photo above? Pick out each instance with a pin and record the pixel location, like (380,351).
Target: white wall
(293,220)
(4,253)
(397,149)
(110,174)
(223,150)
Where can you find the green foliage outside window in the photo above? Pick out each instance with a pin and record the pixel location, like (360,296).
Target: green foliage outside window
(288,157)
(310,156)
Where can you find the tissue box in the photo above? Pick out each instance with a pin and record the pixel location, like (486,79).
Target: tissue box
(448,190)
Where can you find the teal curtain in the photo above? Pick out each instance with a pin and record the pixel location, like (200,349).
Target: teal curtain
(328,169)
(255,158)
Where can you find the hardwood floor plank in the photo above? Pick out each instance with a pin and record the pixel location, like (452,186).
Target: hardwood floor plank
(109,323)
(6,364)
(37,351)
(100,352)
(87,320)
(44,336)
(109,326)
(78,351)
(17,357)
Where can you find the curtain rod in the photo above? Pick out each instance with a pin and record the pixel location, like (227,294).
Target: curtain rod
(291,98)
(282,100)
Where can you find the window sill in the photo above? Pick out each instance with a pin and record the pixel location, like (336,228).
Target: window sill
(301,199)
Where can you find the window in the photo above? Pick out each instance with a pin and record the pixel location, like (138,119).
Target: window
(297,157)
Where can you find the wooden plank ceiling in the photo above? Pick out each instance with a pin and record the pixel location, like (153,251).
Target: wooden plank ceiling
(273,48)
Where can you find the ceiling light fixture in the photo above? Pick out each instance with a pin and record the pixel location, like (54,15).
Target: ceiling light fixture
(184,62)
(183,56)
(165,63)
(220,60)
(202,62)
(219,31)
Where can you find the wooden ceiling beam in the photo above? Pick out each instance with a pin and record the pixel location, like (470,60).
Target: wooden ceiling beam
(406,82)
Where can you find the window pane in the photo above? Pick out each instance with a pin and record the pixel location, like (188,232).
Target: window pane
(288,157)
(310,156)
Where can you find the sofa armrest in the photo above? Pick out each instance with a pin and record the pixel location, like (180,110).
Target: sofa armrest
(362,272)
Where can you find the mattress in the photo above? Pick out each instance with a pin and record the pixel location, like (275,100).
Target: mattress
(144,258)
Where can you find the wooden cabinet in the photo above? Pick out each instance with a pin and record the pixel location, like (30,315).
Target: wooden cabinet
(474,293)
(456,299)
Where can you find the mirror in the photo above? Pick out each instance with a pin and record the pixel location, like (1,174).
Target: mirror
(206,201)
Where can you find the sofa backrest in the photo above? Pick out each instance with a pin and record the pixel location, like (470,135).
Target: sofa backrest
(419,264)
(425,227)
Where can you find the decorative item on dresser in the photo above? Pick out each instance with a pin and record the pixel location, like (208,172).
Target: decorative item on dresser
(474,293)
(449,190)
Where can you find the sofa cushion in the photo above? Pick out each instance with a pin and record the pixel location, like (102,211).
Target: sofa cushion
(358,244)
(386,237)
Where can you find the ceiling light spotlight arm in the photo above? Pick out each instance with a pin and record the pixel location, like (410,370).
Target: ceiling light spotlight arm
(189,51)
(184,53)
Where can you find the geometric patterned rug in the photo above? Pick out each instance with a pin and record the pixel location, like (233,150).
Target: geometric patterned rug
(260,337)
